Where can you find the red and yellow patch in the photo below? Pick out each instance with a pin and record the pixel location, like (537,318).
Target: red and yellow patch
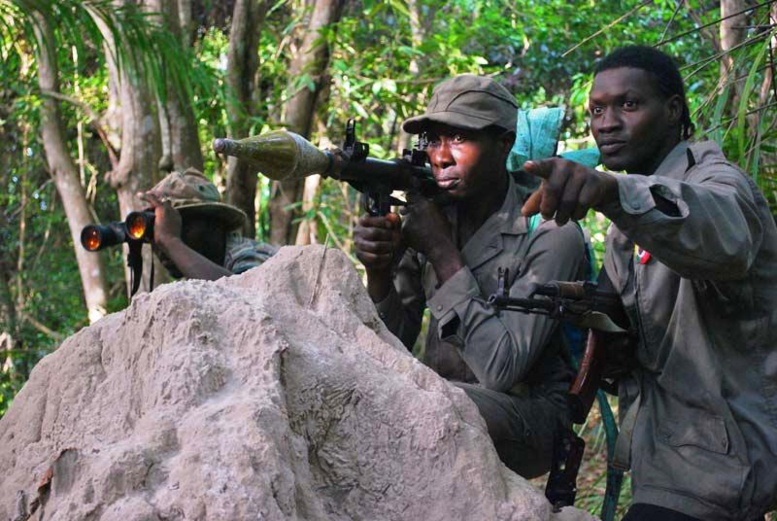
(642,255)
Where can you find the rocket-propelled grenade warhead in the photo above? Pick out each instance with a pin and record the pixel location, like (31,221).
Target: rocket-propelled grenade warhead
(282,155)
(279,155)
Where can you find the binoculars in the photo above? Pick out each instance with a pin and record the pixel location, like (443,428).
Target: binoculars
(137,227)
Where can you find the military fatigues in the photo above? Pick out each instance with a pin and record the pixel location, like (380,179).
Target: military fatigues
(243,254)
(704,302)
(511,364)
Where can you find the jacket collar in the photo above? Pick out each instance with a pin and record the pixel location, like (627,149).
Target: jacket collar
(488,241)
(675,163)
(678,161)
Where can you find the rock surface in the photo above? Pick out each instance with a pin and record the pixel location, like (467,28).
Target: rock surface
(277,394)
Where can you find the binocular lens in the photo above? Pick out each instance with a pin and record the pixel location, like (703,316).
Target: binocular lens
(91,238)
(137,225)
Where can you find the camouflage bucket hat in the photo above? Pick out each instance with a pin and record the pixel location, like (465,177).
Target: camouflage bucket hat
(470,102)
(192,194)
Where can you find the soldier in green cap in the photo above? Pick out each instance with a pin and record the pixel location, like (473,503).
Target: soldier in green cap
(512,365)
(196,235)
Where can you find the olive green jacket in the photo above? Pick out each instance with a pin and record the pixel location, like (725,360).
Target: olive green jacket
(468,340)
(704,303)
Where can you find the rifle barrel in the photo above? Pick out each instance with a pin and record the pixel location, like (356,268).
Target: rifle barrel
(526,305)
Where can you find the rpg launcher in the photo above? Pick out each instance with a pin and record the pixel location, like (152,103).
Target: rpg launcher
(136,229)
(282,155)
(587,306)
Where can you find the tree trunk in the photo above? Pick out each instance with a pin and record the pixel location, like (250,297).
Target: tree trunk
(311,60)
(65,174)
(769,90)
(732,32)
(185,22)
(242,63)
(178,124)
(306,232)
(417,34)
(141,147)
(9,324)
(767,86)
(9,333)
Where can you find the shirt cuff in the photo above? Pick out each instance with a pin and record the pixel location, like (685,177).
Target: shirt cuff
(635,195)
(387,307)
(637,205)
(457,290)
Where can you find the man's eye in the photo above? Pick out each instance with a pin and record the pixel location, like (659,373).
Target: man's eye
(596,111)
(432,141)
(459,138)
(630,104)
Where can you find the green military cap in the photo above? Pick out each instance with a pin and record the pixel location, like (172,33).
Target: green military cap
(470,102)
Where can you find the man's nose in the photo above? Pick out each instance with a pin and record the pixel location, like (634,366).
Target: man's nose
(609,121)
(441,155)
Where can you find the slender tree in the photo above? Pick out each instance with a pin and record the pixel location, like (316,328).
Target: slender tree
(64,172)
(733,31)
(178,125)
(309,62)
(242,63)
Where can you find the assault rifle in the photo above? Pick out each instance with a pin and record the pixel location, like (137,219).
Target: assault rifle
(581,304)
(587,306)
(282,155)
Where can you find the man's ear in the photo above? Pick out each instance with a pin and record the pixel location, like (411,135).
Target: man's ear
(674,108)
(506,141)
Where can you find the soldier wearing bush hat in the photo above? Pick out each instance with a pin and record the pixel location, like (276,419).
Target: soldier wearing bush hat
(511,365)
(195,234)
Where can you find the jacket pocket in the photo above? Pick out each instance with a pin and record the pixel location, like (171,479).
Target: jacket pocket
(707,432)
(688,452)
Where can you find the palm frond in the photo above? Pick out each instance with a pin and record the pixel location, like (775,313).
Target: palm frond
(139,42)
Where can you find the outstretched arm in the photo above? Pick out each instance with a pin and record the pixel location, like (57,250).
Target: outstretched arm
(705,225)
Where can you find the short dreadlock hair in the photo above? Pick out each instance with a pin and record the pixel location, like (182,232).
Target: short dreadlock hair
(661,67)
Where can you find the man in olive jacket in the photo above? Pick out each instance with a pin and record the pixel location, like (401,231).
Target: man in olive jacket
(511,365)
(693,253)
